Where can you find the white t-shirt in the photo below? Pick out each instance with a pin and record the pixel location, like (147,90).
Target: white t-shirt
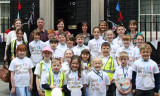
(18,43)
(56,78)
(84,65)
(12,36)
(47,44)
(131,53)
(114,46)
(45,69)
(57,53)
(62,47)
(74,81)
(123,75)
(118,40)
(105,59)
(65,68)
(95,47)
(97,83)
(145,74)
(77,50)
(21,69)
(137,52)
(35,49)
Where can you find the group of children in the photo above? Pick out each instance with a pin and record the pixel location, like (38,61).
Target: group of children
(94,70)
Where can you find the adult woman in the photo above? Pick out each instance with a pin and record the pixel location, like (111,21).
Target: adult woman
(103,25)
(133,27)
(87,36)
(12,35)
(60,27)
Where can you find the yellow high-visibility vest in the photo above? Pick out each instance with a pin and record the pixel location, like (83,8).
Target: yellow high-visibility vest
(109,67)
(12,47)
(88,64)
(51,82)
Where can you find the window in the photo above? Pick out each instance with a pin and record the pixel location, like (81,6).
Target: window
(4,17)
(149,18)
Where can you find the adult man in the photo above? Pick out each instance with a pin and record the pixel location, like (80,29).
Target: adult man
(40,24)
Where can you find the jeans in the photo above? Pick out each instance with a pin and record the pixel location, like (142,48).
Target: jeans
(22,91)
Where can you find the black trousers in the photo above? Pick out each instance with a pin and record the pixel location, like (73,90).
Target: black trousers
(34,90)
(112,89)
(144,92)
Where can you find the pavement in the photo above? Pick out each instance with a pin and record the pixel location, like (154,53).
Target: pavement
(4,87)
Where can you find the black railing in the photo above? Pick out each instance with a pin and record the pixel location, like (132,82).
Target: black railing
(151,24)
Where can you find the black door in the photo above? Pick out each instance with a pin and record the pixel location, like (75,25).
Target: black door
(73,12)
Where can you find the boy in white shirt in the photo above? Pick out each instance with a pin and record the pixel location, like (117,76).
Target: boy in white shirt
(121,30)
(123,76)
(51,35)
(130,50)
(95,44)
(97,80)
(62,42)
(145,74)
(109,66)
(80,45)
(35,48)
(54,79)
(56,52)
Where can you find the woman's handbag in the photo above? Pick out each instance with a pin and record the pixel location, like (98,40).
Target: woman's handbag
(5,73)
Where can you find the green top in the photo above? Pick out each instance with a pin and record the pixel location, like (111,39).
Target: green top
(133,38)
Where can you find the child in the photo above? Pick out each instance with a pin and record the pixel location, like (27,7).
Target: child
(86,60)
(133,26)
(62,42)
(80,46)
(35,48)
(120,30)
(43,68)
(21,73)
(86,64)
(130,50)
(51,35)
(145,74)
(76,77)
(123,76)
(109,34)
(109,66)
(70,42)
(11,51)
(139,42)
(57,53)
(95,44)
(54,79)
(67,59)
(97,80)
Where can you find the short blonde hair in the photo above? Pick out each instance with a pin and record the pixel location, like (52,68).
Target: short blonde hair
(111,31)
(95,59)
(145,46)
(123,54)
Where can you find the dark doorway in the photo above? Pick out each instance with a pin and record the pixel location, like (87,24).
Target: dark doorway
(73,12)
